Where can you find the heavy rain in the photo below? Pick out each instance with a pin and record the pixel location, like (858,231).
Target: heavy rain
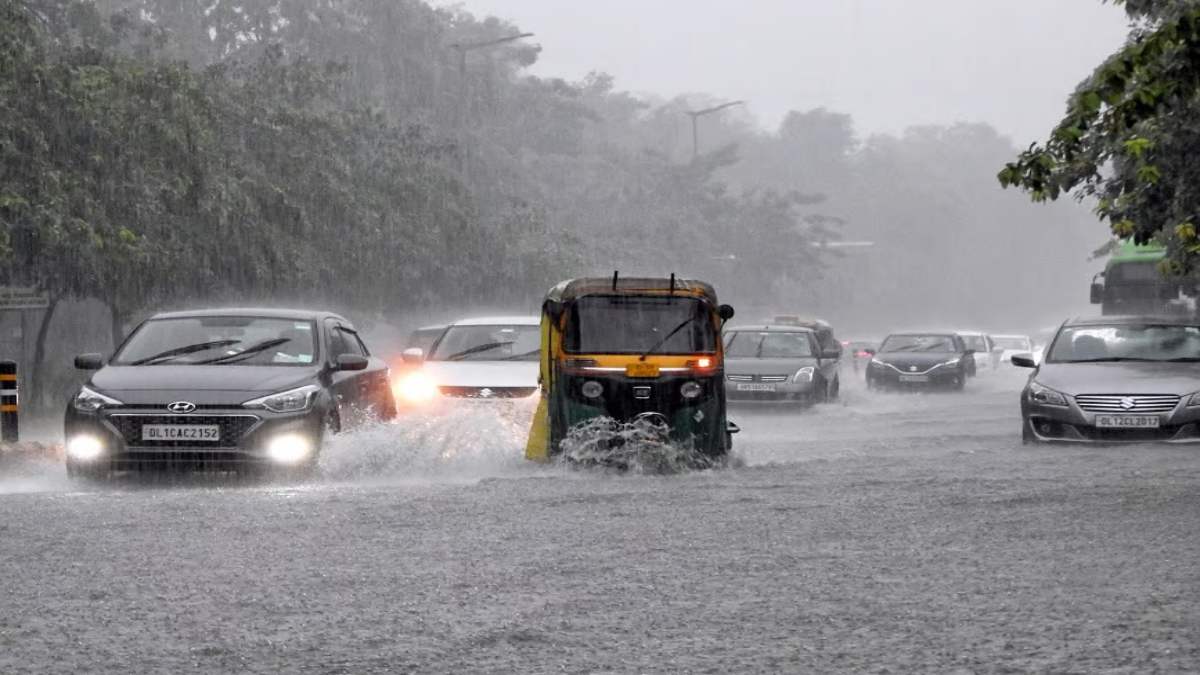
(378,336)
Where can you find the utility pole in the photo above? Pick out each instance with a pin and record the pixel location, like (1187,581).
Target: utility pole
(697,114)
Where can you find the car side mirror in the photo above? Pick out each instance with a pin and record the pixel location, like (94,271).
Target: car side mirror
(725,312)
(968,352)
(350,362)
(831,353)
(413,355)
(1024,361)
(1097,293)
(89,361)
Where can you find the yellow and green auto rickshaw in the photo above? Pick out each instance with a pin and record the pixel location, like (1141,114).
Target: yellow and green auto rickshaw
(630,349)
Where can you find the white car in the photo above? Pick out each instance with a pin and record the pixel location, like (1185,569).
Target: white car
(986,357)
(482,358)
(1011,345)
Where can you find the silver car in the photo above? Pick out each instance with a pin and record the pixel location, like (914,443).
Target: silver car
(1114,379)
(779,363)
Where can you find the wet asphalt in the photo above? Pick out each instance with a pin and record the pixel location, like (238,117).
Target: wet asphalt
(887,533)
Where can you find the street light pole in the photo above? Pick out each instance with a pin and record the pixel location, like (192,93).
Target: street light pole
(462,48)
(697,114)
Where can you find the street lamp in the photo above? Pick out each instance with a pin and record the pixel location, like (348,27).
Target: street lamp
(697,114)
(462,48)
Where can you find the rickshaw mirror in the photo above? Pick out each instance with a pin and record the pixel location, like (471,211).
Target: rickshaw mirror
(725,312)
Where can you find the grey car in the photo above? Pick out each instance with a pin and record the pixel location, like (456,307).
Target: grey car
(223,389)
(1115,379)
(779,363)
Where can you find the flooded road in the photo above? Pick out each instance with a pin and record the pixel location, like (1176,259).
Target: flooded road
(886,533)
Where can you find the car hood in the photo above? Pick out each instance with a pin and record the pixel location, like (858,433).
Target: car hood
(744,366)
(922,360)
(202,385)
(483,373)
(1121,378)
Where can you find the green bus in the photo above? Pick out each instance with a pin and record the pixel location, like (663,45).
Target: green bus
(1133,283)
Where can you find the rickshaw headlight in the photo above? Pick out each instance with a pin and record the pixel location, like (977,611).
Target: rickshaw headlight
(691,389)
(592,389)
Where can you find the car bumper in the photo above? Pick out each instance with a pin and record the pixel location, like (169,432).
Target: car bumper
(1071,424)
(886,376)
(780,391)
(246,437)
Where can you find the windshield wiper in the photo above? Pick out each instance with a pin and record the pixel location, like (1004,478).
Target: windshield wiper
(666,337)
(181,351)
(514,357)
(245,353)
(475,350)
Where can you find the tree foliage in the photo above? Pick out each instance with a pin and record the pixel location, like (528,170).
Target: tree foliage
(1130,134)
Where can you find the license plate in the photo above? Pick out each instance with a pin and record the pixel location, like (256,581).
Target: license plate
(1128,421)
(755,387)
(181,432)
(641,369)
(914,378)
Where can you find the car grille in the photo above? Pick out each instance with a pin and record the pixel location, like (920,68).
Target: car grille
(487,392)
(233,428)
(757,378)
(1116,403)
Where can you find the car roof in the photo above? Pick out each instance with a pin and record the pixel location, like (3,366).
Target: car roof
(971,333)
(769,328)
(499,320)
(919,333)
(430,329)
(264,312)
(1133,320)
(1011,335)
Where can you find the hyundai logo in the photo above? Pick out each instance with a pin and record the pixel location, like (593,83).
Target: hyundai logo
(182,407)
(1128,403)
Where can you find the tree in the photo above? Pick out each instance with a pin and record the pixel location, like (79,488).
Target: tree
(1130,135)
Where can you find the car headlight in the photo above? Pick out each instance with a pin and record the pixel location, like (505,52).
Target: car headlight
(805,374)
(1194,400)
(1045,395)
(90,400)
(592,389)
(952,362)
(690,390)
(85,447)
(416,387)
(292,400)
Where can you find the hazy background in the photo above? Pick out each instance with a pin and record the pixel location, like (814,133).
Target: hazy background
(889,63)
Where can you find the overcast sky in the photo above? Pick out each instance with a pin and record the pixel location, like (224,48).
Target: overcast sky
(890,63)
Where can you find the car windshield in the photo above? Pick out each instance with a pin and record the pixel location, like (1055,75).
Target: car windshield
(975,342)
(221,340)
(919,343)
(638,324)
(490,342)
(1013,343)
(768,345)
(1126,343)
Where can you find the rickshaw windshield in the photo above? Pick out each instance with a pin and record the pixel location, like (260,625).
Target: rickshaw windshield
(620,324)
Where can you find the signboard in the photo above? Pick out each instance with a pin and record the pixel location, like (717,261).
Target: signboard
(16,297)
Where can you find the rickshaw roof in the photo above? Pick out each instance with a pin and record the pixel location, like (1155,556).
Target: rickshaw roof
(573,289)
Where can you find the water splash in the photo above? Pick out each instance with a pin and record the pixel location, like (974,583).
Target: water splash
(640,446)
(463,441)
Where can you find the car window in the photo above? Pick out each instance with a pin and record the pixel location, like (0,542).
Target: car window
(220,340)
(769,345)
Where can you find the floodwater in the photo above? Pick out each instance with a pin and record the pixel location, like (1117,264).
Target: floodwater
(885,533)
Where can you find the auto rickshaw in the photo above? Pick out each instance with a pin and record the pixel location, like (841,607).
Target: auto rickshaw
(632,349)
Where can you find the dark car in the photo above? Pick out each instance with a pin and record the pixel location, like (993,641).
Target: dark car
(224,389)
(1115,379)
(778,363)
(920,360)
